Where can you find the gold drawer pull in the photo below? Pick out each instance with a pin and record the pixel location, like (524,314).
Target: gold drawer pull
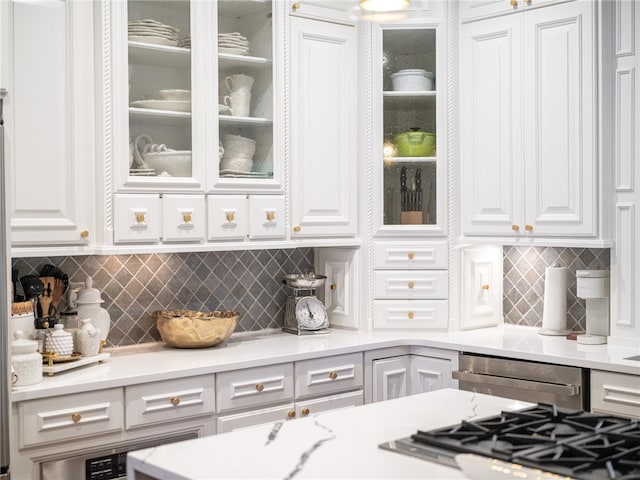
(230,217)
(514,3)
(139,217)
(291,413)
(333,375)
(528,228)
(410,255)
(333,286)
(186,217)
(76,417)
(259,387)
(306,411)
(175,401)
(485,287)
(515,228)
(271,216)
(297,229)
(295,6)
(410,285)
(84,234)
(410,315)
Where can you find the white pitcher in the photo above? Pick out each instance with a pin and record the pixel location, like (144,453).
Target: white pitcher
(239,82)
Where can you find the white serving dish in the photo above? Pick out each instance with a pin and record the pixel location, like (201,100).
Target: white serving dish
(170,95)
(175,163)
(413,79)
(173,105)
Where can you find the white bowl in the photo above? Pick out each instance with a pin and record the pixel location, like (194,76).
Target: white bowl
(173,94)
(176,164)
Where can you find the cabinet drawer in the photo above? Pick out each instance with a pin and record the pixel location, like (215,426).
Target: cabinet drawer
(616,393)
(169,400)
(266,217)
(253,387)
(183,218)
(228,423)
(228,217)
(414,314)
(136,218)
(328,375)
(411,284)
(333,402)
(68,417)
(402,256)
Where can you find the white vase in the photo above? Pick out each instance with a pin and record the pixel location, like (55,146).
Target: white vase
(87,339)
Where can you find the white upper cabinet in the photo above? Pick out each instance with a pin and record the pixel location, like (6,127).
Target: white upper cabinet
(529,129)
(476,9)
(323,128)
(47,53)
(409,131)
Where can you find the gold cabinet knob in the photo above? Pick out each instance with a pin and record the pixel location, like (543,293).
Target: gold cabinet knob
(305,411)
(186,217)
(271,216)
(297,229)
(410,255)
(291,413)
(139,217)
(84,234)
(528,227)
(230,217)
(515,228)
(333,375)
(175,401)
(513,3)
(295,6)
(76,417)
(485,287)
(259,387)
(410,315)
(333,286)
(410,284)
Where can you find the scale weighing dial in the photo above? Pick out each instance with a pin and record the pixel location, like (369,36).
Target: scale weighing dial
(311,314)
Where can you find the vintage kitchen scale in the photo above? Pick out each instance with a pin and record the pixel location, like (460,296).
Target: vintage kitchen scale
(304,313)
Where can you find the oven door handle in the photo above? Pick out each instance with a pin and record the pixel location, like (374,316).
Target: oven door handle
(483,379)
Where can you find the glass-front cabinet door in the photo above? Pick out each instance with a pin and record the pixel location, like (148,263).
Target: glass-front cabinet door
(409,151)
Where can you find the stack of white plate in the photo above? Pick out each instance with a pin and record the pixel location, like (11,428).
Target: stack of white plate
(152,31)
(142,172)
(233,43)
(185,41)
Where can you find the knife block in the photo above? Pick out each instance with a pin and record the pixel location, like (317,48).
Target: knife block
(411,218)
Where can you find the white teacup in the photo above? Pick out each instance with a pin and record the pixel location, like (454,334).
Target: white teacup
(239,103)
(239,82)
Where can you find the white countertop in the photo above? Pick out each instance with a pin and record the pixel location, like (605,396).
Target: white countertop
(242,351)
(336,444)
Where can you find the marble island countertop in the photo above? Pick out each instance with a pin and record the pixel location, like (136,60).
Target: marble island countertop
(159,362)
(336,444)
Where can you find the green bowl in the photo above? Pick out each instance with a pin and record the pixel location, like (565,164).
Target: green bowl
(416,144)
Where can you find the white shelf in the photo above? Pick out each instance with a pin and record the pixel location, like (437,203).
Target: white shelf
(409,93)
(160,55)
(394,160)
(153,113)
(228,61)
(227,120)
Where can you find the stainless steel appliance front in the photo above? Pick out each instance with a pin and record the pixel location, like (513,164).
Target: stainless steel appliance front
(523,380)
(105,464)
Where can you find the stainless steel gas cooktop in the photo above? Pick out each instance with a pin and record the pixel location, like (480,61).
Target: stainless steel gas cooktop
(566,442)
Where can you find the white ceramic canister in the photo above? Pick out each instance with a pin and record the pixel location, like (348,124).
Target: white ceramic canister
(59,341)
(26,362)
(24,322)
(87,339)
(88,302)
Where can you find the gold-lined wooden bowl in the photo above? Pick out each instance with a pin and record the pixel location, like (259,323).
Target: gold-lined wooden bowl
(192,329)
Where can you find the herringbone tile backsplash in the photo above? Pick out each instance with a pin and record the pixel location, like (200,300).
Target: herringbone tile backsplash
(134,286)
(523,268)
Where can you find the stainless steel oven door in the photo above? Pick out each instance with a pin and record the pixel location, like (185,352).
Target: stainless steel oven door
(521,380)
(105,464)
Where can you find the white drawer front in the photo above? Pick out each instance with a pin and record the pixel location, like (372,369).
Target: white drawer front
(228,217)
(324,404)
(254,386)
(328,375)
(266,217)
(67,417)
(616,393)
(411,284)
(136,218)
(430,314)
(183,218)
(402,256)
(228,423)
(169,400)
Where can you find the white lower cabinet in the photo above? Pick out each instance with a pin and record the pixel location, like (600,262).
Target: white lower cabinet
(241,217)
(251,418)
(398,372)
(615,393)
